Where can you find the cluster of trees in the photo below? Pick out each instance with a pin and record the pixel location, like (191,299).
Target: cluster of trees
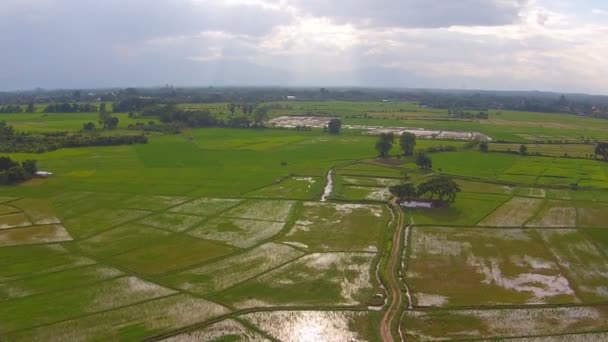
(106,119)
(12,141)
(385,142)
(11,109)
(155,127)
(601,150)
(172,114)
(71,108)
(444,187)
(462,114)
(246,108)
(334,126)
(12,172)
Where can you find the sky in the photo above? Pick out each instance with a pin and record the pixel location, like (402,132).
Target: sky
(552,45)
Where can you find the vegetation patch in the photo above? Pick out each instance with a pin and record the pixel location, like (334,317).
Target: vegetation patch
(213,277)
(101,220)
(226,330)
(467,210)
(237,232)
(338,227)
(172,222)
(32,311)
(315,279)
(330,326)
(62,280)
(555,214)
(206,206)
(154,202)
(505,266)
(584,263)
(34,235)
(502,323)
(14,221)
(514,213)
(262,210)
(592,215)
(40,211)
(297,187)
(170,254)
(134,322)
(122,239)
(26,261)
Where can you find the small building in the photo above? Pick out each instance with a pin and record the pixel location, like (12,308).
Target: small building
(291,97)
(418,204)
(43,174)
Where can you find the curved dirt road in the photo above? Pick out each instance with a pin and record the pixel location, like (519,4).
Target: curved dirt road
(392,267)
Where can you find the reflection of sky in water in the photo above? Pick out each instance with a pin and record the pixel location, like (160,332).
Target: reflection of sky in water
(307,326)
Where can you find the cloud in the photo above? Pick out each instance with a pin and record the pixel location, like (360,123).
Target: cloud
(416,13)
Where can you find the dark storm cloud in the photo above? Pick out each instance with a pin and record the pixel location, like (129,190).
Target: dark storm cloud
(417,13)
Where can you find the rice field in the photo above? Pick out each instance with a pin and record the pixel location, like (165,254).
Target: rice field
(506,266)
(503,323)
(313,280)
(211,278)
(220,234)
(293,326)
(338,227)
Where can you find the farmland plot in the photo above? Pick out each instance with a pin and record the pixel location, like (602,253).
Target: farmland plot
(206,206)
(134,322)
(16,263)
(502,323)
(364,193)
(154,202)
(305,188)
(592,215)
(315,279)
(237,232)
(121,239)
(34,235)
(514,213)
(555,214)
(170,254)
(172,222)
(5,209)
(338,227)
(504,266)
(327,326)
(584,262)
(39,211)
(67,279)
(371,181)
(14,221)
(228,330)
(468,209)
(31,311)
(262,210)
(100,220)
(213,277)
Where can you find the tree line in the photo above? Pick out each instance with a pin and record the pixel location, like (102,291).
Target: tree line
(12,141)
(70,108)
(12,172)
(443,187)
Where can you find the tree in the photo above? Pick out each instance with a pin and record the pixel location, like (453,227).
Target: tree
(423,161)
(442,186)
(483,146)
(385,144)
(88,127)
(601,149)
(31,108)
(30,167)
(334,126)
(408,143)
(259,116)
(523,150)
(112,122)
(231,108)
(405,191)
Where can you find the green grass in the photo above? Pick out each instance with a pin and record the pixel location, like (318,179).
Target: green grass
(468,210)
(216,212)
(170,254)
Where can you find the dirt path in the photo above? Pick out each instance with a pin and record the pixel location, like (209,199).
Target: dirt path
(329,186)
(393,284)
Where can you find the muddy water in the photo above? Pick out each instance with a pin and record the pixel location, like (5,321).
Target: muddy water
(329,186)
